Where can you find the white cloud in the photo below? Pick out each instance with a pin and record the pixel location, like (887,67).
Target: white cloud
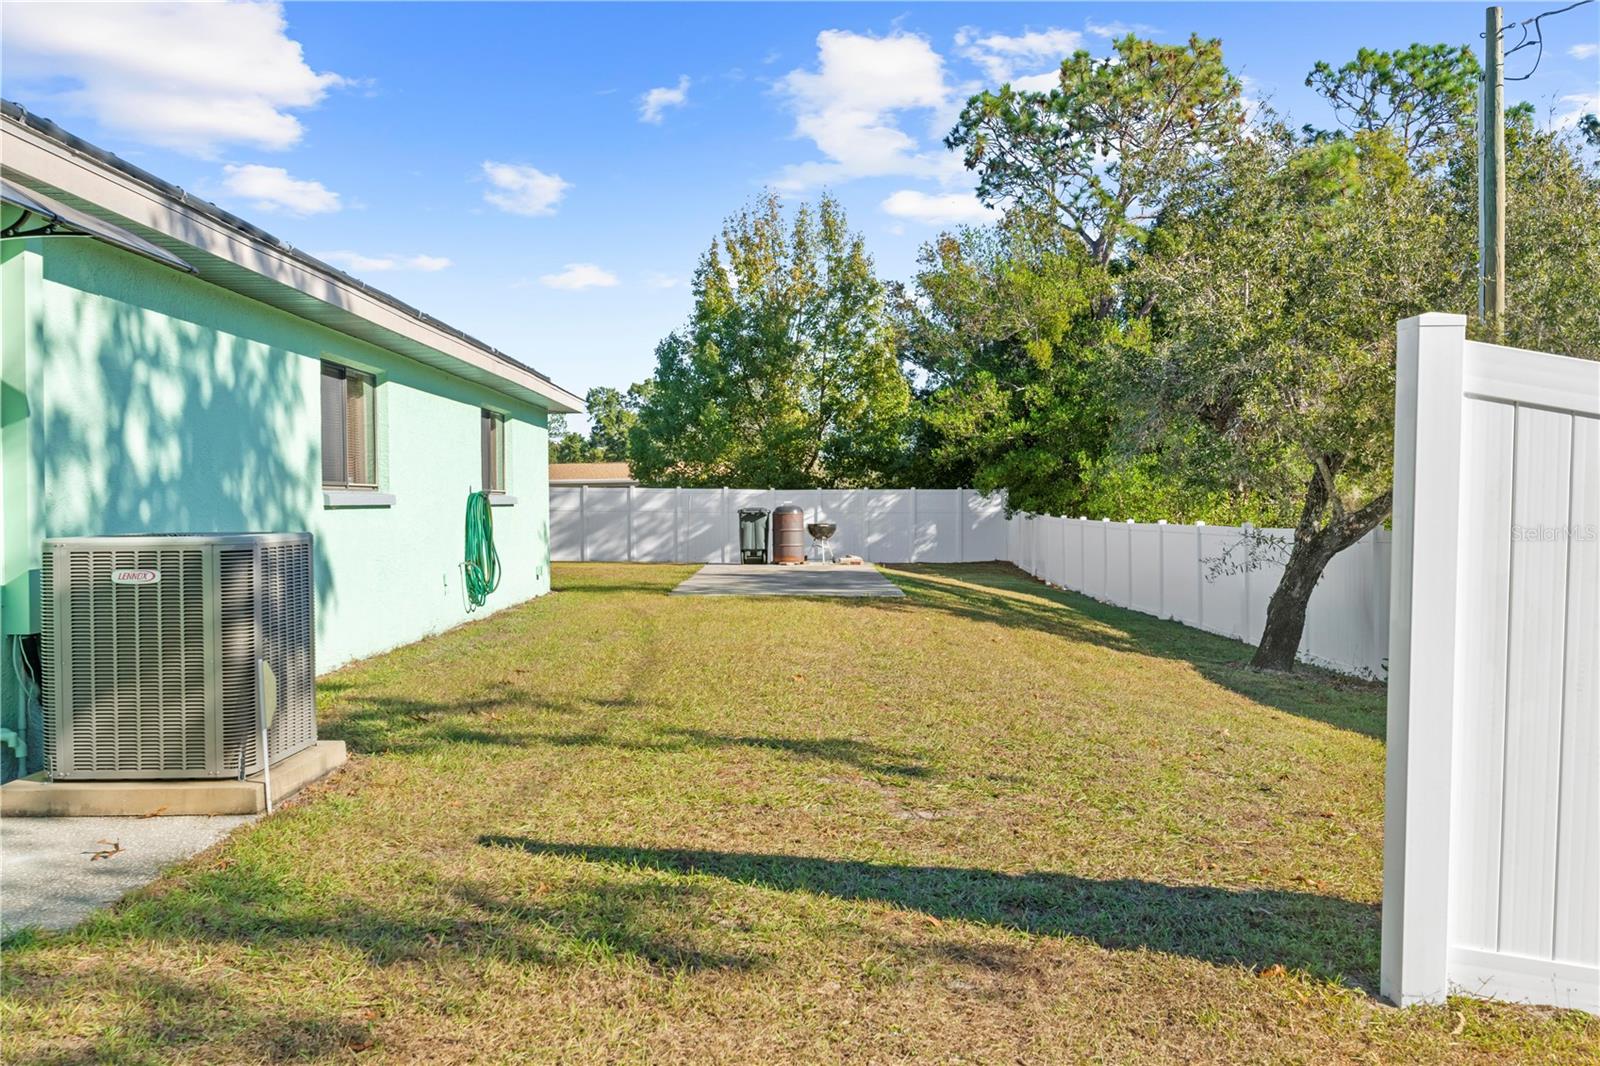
(1117,28)
(579,276)
(849,106)
(937,209)
(1038,83)
(1003,58)
(523,190)
(663,281)
(657,100)
(368,264)
(191,77)
(274,189)
(1573,107)
(1584,51)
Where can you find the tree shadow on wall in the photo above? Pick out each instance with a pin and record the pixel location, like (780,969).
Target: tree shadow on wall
(156,423)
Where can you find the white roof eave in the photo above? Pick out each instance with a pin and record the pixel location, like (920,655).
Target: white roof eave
(234,260)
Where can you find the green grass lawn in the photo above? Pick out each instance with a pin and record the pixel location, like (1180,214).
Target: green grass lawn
(990,822)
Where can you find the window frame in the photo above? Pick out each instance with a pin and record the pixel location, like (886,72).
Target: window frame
(365,480)
(492,427)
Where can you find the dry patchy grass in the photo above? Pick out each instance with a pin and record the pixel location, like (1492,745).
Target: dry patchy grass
(990,822)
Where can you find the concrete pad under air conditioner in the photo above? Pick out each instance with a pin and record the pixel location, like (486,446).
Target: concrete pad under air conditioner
(40,797)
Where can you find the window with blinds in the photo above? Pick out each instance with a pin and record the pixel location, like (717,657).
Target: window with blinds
(492,435)
(349,429)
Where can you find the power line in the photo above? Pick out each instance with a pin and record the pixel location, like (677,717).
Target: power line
(1537,35)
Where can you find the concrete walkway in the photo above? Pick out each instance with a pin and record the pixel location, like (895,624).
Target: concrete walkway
(811,579)
(50,880)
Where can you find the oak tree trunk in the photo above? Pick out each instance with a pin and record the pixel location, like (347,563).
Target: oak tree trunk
(1315,544)
(1286,612)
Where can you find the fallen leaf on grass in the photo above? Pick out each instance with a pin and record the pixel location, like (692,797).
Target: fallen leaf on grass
(1275,970)
(106,853)
(1461,1024)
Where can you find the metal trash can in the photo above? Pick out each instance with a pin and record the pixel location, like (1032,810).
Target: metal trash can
(753,534)
(788,536)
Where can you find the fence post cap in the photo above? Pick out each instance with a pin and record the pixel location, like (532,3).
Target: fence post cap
(1161,521)
(1199,523)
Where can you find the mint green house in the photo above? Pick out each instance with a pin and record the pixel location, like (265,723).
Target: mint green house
(167,367)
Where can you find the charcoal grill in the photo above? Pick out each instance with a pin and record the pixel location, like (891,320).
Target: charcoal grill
(821,533)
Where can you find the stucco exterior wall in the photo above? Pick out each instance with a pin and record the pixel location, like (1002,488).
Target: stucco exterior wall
(158,402)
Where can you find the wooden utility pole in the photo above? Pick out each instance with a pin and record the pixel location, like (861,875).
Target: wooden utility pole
(1492,180)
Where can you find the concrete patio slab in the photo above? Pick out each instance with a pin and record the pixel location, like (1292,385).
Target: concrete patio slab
(811,579)
(49,878)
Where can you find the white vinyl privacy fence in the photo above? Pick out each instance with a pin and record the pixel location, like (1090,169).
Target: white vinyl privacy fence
(1492,823)
(1216,578)
(592,524)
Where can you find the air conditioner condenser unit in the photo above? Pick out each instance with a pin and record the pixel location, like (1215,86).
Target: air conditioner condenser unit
(153,649)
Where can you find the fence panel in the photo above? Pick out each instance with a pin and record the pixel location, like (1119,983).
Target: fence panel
(1145,565)
(985,535)
(1492,827)
(938,525)
(1094,559)
(1180,573)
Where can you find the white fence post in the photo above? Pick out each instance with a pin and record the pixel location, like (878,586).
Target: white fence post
(629,512)
(1129,531)
(1199,575)
(1244,532)
(1161,568)
(961,525)
(1422,661)
(583,523)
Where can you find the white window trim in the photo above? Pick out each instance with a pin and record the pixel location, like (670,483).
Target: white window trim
(356,498)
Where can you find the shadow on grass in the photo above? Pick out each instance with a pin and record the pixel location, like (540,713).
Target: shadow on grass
(153,1015)
(872,758)
(246,902)
(1001,594)
(402,726)
(1324,936)
(147,1012)
(408,725)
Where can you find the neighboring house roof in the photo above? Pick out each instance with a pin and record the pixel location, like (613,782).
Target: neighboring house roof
(230,252)
(591,474)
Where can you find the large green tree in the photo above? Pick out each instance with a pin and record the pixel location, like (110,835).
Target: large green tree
(1105,151)
(1279,302)
(612,416)
(1000,325)
(1017,330)
(1418,94)
(1282,284)
(786,372)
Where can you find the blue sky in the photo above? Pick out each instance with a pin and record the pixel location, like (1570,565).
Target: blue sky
(544,176)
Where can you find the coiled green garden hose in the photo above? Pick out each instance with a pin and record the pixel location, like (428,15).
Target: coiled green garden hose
(482,567)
